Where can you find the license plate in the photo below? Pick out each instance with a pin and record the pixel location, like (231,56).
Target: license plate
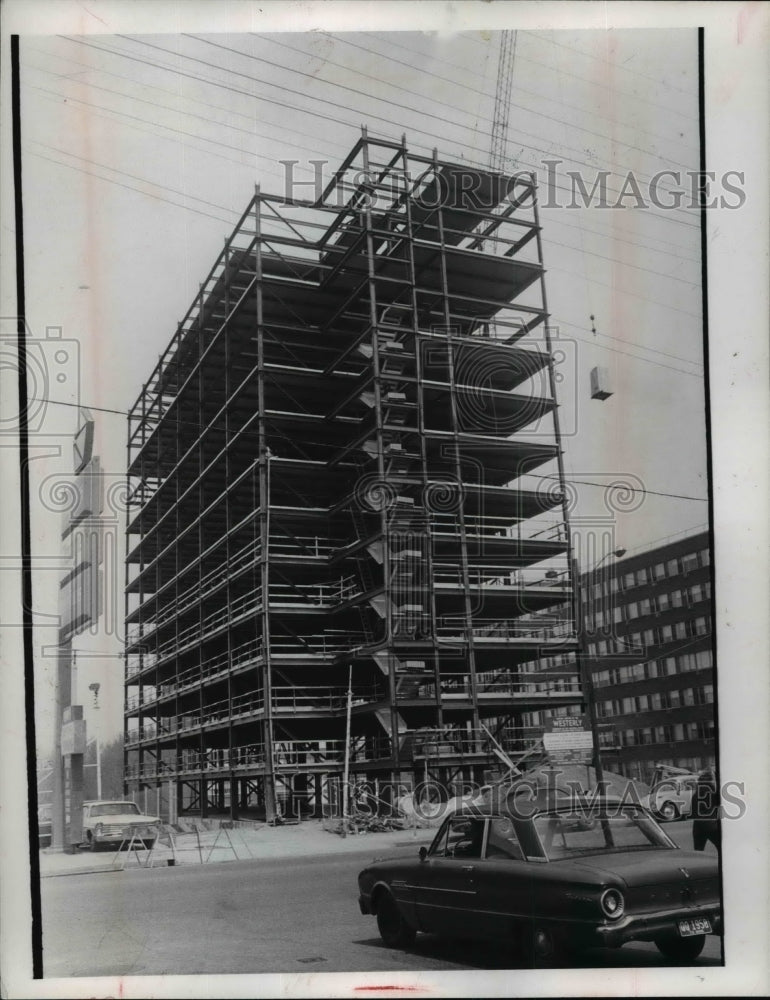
(698,925)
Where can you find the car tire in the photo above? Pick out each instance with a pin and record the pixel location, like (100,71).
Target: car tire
(669,811)
(682,949)
(90,841)
(394,930)
(540,948)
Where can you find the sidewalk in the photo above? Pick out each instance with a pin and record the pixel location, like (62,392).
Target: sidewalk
(244,842)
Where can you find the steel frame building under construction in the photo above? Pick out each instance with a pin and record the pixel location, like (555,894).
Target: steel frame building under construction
(347,519)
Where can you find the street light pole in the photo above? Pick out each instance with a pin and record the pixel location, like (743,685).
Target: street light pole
(584,669)
(95,688)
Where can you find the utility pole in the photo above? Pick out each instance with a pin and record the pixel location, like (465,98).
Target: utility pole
(346,771)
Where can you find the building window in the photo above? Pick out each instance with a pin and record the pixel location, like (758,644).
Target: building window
(662,602)
(705,557)
(703,660)
(628,581)
(642,703)
(689,563)
(645,607)
(673,567)
(628,706)
(695,594)
(617,614)
(632,611)
(680,630)
(659,571)
(666,633)
(701,626)
(656,702)
(641,577)
(688,696)
(676,598)
(649,636)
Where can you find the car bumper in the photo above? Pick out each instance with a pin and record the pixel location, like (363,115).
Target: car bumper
(649,926)
(118,837)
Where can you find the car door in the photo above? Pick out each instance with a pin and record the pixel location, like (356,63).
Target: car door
(446,899)
(503,881)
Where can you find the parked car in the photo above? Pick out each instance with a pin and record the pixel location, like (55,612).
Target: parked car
(551,882)
(112,822)
(671,797)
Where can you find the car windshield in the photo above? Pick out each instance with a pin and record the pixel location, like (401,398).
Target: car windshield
(114,809)
(569,835)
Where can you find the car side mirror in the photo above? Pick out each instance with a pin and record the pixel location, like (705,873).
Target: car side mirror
(423,853)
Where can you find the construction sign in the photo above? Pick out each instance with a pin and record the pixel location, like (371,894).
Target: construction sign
(568,740)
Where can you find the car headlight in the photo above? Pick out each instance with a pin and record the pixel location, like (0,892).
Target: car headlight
(99,829)
(612,903)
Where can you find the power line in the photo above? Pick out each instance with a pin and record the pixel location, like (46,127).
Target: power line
(519,88)
(637,357)
(191,114)
(190,135)
(223,208)
(318,114)
(629,343)
(374,97)
(660,107)
(605,62)
(335,445)
(629,488)
(620,291)
(136,177)
(213,83)
(146,194)
(294,132)
(259,156)
(229,223)
(436,100)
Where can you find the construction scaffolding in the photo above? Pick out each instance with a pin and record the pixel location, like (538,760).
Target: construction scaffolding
(333,466)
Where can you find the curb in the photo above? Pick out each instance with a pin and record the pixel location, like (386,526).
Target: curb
(359,848)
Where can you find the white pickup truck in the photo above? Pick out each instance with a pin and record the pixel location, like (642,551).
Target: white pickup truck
(113,821)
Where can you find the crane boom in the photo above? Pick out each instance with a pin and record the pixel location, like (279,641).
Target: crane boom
(502,100)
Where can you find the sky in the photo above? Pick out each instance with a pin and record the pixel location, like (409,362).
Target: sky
(143,135)
(141,151)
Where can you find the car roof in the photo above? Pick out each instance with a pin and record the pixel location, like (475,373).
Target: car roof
(109,802)
(538,805)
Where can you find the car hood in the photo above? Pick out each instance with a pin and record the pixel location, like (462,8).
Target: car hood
(647,868)
(124,819)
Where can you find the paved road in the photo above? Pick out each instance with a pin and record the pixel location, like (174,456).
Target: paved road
(298,915)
